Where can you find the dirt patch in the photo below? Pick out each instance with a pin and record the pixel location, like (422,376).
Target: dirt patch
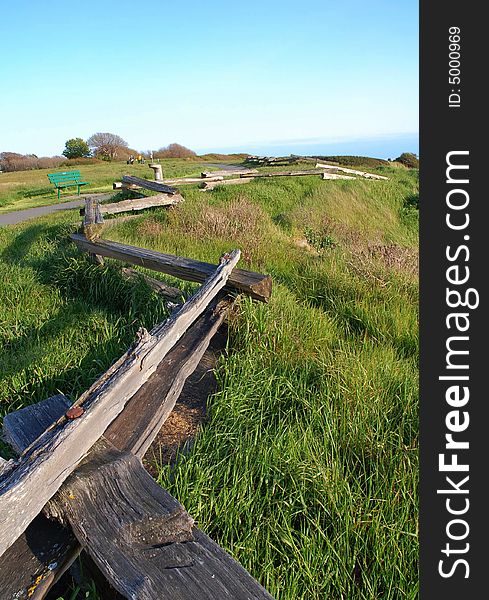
(190,411)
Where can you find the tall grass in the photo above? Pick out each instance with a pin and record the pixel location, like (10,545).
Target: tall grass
(306,470)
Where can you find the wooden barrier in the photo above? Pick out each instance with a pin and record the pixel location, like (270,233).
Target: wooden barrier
(45,550)
(44,466)
(140,538)
(256,285)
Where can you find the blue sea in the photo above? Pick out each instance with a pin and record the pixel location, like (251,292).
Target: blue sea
(379,147)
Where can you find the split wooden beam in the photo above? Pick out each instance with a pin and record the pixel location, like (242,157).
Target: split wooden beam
(336,176)
(188,180)
(140,203)
(93,224)
(351,171)
(155,186)
(44,466)
(284,173)
(226,173)
(208,184)
(140,537)
(45,549)
(256,285)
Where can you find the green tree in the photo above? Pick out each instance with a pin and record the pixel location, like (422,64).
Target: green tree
(76,148)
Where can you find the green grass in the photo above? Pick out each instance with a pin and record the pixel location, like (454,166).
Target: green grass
(20,190)
(307,468)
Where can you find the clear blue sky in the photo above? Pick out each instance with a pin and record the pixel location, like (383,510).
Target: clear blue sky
(209,75)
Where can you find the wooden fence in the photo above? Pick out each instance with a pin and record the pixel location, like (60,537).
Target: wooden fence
(80,464)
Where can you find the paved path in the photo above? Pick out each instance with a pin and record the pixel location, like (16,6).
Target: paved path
(11,218)
(19,216)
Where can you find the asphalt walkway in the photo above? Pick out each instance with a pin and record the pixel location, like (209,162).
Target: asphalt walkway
(19,216)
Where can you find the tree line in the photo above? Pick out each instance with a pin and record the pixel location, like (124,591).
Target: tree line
(99,146)
(109,146)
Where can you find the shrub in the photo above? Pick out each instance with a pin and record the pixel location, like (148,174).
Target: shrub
(11,161)
(409,159)
(174,151)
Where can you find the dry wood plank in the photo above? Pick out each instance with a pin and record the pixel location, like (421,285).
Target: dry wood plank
(207,184)
(37,559)
(137,426)
(284,173)
(40,556)
(226,173)
(44,466)
(188,180)
(155,186)
(256,285)
(335,176)
(45,550)
(141,538)
(140,203)
(93,225)
(352,171)
(5,466)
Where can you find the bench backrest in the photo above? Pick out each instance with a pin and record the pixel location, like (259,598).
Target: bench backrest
(65,177)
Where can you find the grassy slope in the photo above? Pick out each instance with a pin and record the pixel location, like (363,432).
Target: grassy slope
(307,468)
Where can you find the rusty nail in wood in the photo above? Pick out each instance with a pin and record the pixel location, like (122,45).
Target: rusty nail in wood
(74,412)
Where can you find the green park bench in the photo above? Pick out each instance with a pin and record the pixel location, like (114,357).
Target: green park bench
(66,179)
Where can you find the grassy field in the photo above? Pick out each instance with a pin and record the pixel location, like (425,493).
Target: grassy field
(307,468)
(26,189)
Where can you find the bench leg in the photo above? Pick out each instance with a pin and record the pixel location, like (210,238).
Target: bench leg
(58,192)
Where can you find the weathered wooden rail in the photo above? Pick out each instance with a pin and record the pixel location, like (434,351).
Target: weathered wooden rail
(80,464)
(256,285)
(363,174)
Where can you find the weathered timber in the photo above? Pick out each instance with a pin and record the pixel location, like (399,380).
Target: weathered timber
(40,556)
(5,465)
(44,466)
(188,180)
(352,171)
(155,186)
(335,176)
(22,427)
(284,173)
(117,511)
(28,560)
(137,426)
(256,285)
(93,225)
(140,537)
(226,173)
(140,203)
(37,559)
(207,184)
(172,293)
